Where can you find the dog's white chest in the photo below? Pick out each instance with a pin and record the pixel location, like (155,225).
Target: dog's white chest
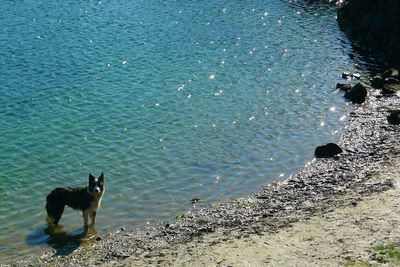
(95,204)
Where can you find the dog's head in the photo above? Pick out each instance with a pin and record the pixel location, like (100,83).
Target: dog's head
(96,185)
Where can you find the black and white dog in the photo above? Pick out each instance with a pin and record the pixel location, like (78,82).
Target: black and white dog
(87,199)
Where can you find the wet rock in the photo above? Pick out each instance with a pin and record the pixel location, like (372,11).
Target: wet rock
(390,89)
(327,151)
(392,72)
(394,117)
(195,200)
(377,82)
(99,238)
(343,86)
(356,76)
(357,94)
(391,80)
(346,75)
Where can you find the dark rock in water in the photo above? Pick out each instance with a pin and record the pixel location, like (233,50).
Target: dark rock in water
(392,72)
(195,200)
(356,76)
(390,89)
(99,238)
(357,94)
(394,117)
(346,75)
(377,82)
(391,80)
(327,151)
(343,86)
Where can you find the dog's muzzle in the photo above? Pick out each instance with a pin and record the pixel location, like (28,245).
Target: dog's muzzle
(97,189)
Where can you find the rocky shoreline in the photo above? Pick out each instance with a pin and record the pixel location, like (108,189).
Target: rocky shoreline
(369,145)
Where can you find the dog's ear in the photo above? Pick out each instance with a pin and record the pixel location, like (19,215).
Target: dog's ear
(101,178)
(91,177)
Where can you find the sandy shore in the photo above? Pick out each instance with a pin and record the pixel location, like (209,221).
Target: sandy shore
(329,214)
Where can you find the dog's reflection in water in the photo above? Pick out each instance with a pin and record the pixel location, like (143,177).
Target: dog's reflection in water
(65,243)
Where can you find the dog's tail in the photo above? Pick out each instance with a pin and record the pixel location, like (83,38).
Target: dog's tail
(55,203)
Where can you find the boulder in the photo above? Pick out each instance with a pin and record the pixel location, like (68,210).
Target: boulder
(327,151)
(343,86)
(357,94)
(394,117)
(377,82)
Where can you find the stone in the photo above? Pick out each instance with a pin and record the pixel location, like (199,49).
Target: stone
(346,75)
(357,94)
(327,151)
(377,82)
(391,80)
(392,72)
(343,86)
(356,76)
(195,200)
(394,117)
(390,89)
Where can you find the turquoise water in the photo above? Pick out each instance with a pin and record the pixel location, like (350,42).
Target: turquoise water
(170,99)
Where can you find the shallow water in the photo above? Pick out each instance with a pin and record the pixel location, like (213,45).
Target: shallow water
(170,99)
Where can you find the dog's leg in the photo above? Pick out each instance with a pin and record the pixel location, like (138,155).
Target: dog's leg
(93,217)
(54,212)
(85,219)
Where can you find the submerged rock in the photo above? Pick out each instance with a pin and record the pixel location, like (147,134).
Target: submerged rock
(327,151)
(343,86)
(394,117)
(357,94)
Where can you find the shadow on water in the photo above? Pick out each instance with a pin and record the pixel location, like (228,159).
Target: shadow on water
(62,242)
(355,51)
